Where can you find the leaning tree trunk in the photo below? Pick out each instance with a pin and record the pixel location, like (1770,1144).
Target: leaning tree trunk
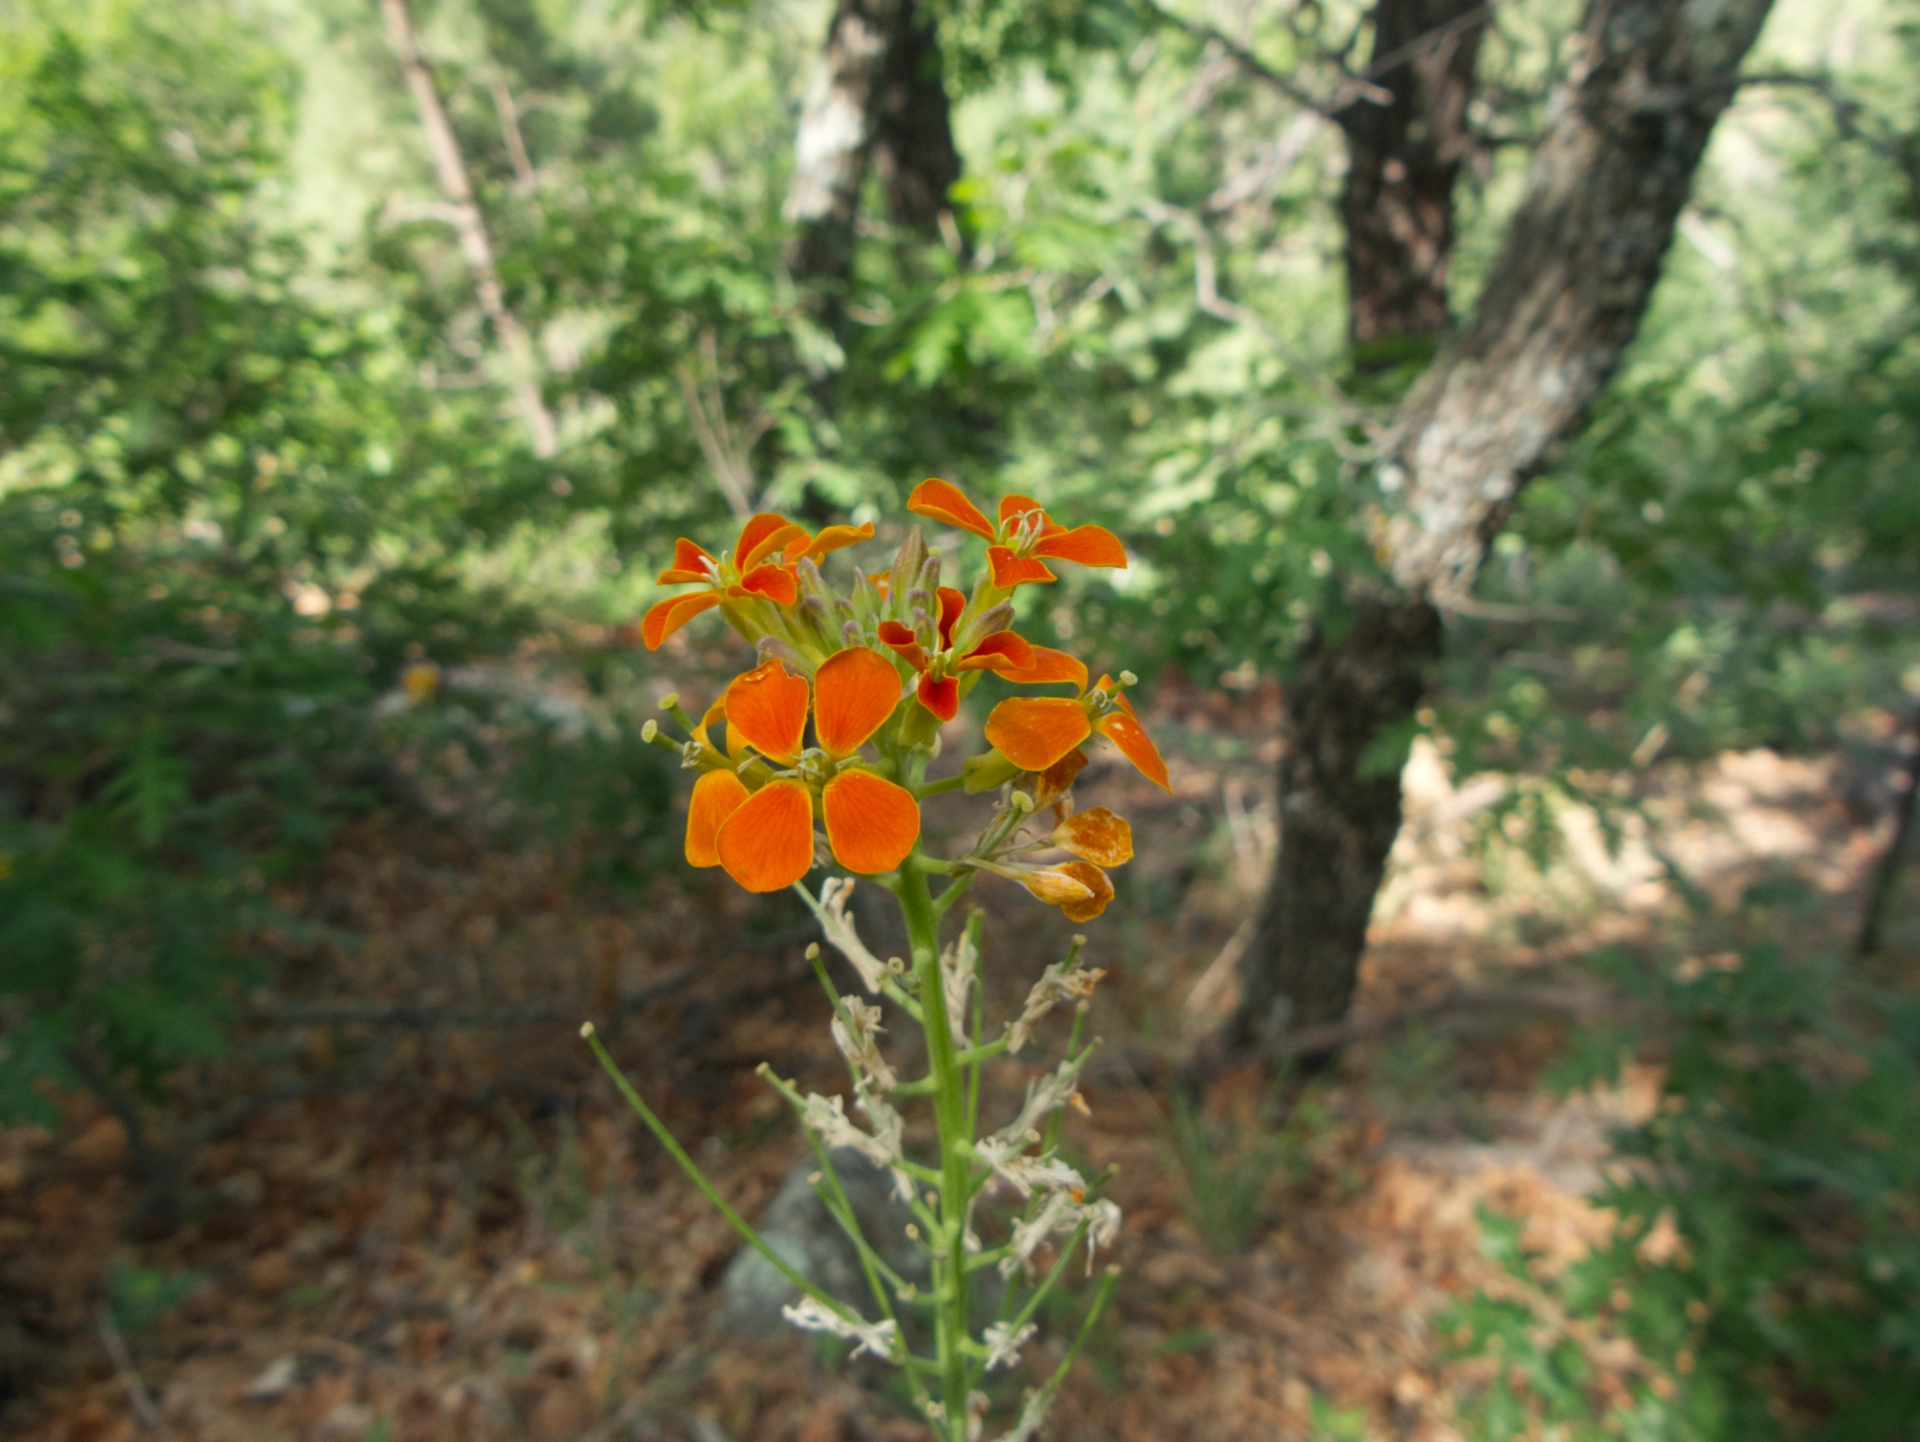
(875,94)
(1403,157)
(1582,254)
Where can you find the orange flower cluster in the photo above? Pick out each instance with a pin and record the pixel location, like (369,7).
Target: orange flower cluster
(878,670)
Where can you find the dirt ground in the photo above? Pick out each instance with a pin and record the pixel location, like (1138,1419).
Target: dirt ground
(413,1210)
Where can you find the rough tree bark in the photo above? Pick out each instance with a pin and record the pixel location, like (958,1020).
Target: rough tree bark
(1582,254)
(876,95)
(1403,158)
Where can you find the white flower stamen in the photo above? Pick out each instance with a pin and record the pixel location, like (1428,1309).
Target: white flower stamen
(875,1337)
(838,928)
(1004,1344)
(856,1031)
(1062,981)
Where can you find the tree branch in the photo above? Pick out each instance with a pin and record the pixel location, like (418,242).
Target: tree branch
(1352,89)
(463,214)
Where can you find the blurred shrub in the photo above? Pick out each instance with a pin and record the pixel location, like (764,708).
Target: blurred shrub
(1764,1275)
(224,528)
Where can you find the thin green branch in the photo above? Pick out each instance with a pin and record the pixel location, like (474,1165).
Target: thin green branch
(747,1233)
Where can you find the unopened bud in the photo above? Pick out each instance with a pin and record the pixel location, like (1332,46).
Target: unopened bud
(586,1029)
(813,951)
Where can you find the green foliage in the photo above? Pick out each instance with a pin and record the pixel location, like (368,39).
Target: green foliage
(1768,1251)
(225,524)
(1231,1164)
(143,1295)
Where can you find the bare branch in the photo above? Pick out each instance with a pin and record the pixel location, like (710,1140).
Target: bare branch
(463,214)
(1348,92)
(1206,294)
(510,136)
(138,1396)
(706,406)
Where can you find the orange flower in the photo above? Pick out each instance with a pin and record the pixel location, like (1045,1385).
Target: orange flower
(1025,538)
(939,686)
(1033,732)
(1095,835)
(761,566)
(1079,888)
(764,839)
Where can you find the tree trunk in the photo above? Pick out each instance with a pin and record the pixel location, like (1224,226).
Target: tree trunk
(463,213)
(1338,818)
(1402,160)
(1648,82)
(876,93)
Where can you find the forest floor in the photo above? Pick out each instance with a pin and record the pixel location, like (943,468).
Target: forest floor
(423,1213)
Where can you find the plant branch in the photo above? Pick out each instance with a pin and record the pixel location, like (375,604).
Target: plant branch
(463,214)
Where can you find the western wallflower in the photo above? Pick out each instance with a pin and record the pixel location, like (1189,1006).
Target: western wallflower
(1035,732)
(761,566)
(836,728)
(1026,537)
(764,838)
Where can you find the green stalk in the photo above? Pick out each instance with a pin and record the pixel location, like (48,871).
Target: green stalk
(688,1165)
(950,1115)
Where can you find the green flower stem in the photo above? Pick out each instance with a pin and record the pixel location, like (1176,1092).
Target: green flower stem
(935,788)
(950,1115)
(687,1165)
(954,892)
(1039,1294)
(975,920)
(1107,1283)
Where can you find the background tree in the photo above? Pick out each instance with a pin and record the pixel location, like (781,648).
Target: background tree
(1583,253)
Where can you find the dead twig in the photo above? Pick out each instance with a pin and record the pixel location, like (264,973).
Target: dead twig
(137,1394)
(462,212)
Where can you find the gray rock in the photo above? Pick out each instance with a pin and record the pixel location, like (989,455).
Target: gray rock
(799,1227)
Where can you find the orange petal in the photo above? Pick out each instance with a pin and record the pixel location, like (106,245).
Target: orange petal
(952,603)
(899,639)
(943,502)
(776,583)
(767,707)
(854,692)
(1124,730)
(1052,884)
(716,796)
(1049,666)
(1057,779)
(1085,545)
(871,823)
(1033,732)
(1002,651)
(1014,506)
(662,620)
(1096,835)
(690,563)
(761,537)
(832,538)
(1010,570)
(767,844)
(1100,891)
(940,697)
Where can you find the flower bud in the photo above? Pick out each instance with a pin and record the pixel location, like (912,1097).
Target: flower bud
(907,562)
(994,618)
(812,583)
(817,615)
(773,647)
